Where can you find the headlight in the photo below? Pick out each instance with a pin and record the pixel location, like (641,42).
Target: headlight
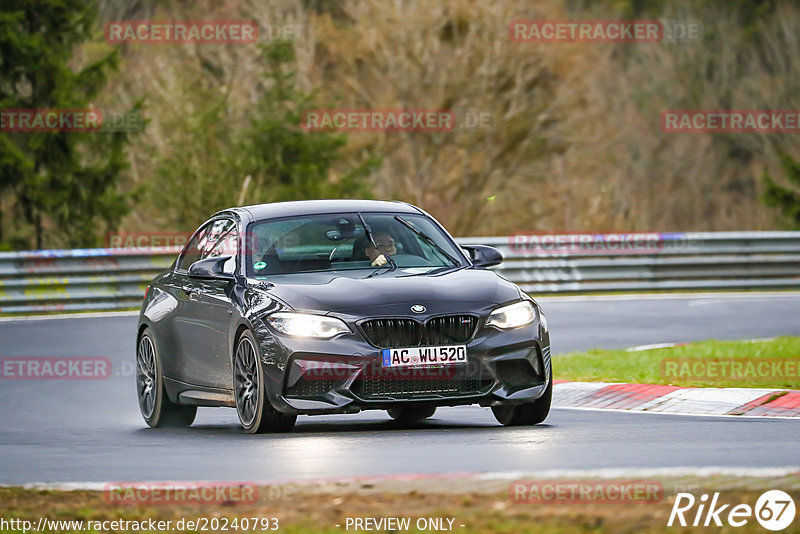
(307,325)
(513,315)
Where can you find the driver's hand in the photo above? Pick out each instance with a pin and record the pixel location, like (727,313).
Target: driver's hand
(379,261)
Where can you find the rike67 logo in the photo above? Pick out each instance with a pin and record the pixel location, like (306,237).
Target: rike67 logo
(774,510)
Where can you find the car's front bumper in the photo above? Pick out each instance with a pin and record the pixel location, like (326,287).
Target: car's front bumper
(345,374)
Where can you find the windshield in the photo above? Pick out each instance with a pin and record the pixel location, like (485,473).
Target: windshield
(335,242)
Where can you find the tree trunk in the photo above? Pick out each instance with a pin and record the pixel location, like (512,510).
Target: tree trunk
(38,223)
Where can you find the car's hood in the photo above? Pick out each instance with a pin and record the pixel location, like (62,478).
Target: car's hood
(394,292)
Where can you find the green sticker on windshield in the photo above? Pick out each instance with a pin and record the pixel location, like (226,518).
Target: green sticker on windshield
(260,265)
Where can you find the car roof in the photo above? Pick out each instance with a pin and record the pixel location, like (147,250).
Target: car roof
(315,207)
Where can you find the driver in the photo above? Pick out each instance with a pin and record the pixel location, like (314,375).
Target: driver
(386,245)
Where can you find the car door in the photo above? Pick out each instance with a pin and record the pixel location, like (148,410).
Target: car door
(178,364)
(206,311)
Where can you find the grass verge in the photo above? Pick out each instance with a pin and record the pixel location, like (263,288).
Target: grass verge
(473,506)
(761,364)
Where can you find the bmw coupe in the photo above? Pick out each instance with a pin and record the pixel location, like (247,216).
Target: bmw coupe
(332,307)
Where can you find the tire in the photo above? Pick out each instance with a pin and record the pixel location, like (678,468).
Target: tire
(156,408)
(411,413)
(529,413)
(256,414)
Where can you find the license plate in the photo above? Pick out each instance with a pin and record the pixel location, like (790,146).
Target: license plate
(424,356)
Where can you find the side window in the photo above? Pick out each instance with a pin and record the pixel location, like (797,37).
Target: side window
(217,238)
(221,239)
(192,251)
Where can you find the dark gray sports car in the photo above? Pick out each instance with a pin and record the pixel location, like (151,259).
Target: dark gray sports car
(337,306)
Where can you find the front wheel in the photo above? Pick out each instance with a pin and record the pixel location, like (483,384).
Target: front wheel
(158,411)
(529,413)
(255,411)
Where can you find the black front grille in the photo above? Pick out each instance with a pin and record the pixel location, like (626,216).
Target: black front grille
(446,381)
(398,332)
(407,389)
(388,333)
(452,329)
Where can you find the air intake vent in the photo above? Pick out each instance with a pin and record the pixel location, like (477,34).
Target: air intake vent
(447,381)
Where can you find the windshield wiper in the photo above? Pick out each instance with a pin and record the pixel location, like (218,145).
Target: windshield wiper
(371,238)
(425,237)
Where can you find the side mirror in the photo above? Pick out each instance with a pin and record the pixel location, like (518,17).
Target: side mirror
(483,256)
(210,268)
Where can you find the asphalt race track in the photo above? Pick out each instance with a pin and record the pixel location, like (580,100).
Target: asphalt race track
(60,431)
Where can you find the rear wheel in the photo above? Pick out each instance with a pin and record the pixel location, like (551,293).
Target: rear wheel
(529,413)
(156,408)
(411,413)
(255,411)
